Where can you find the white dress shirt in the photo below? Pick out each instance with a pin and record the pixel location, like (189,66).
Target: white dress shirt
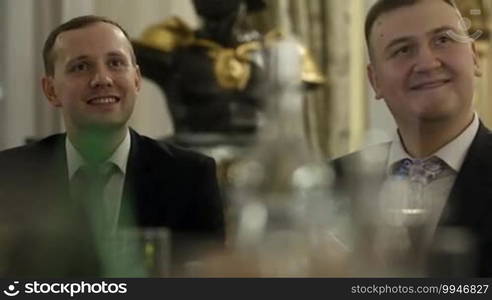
(113,191)
(403,203)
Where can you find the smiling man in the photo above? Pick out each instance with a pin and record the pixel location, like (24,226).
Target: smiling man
(91,74)
(423,74)
(107,171)
(437,170)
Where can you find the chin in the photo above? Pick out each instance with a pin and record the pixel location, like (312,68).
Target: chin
(438,115)
(106,126)
(439,109)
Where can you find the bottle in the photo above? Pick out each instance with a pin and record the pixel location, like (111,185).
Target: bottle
(282,207)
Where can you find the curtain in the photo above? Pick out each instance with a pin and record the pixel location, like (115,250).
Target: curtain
(336,112)
(46,17)
(478,14)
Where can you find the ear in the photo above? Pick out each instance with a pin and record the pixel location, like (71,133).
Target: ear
(138,77)
(49,91)
(371,74)
(476,61)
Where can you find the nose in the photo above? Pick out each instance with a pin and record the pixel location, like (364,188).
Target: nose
(427,60)
(101,78)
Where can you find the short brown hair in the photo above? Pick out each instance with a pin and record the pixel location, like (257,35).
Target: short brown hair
(75,23)
(384,6)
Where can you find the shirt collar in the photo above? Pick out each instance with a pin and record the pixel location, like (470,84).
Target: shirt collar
(118,158)
(452,153)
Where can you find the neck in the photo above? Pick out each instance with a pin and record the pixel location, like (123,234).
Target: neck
(96,146)
(421,139)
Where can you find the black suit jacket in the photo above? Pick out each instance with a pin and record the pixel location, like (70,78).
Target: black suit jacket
(470,201)
(164,186)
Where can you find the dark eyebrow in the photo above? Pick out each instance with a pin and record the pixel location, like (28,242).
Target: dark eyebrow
(442,29)
(397,41)
(84,57)
(404,39)
(81,57)
(116,54)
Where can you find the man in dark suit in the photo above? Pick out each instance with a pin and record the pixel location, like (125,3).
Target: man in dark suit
(436,173)
(91,74)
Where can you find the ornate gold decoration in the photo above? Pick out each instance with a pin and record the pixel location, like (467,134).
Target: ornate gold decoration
(310,71)
(232,66)
(168,35)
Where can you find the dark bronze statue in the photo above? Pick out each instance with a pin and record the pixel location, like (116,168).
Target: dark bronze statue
(211,76)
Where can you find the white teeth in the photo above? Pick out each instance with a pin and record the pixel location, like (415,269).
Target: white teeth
(103,100)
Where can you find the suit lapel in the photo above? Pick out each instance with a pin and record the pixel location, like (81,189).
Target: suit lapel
(135,186)
(145,184)
(61,165)
(472,191)
(53,162)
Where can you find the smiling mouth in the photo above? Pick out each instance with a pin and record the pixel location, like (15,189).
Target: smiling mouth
(103,100)
(430,85)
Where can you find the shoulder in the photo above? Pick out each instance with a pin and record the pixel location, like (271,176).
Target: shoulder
(372,152)
(33,151)
(367,158)
(31,160)
(170,153)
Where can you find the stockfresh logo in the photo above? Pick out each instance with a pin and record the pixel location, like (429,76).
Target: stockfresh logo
(11,290)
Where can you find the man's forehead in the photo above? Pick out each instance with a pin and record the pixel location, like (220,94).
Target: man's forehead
(414,20)
(81,41)
(90,29)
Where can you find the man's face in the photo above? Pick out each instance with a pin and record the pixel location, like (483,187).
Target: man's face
(95,81)
(420,72)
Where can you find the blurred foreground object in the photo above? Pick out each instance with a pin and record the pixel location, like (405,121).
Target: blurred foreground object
(283,214)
